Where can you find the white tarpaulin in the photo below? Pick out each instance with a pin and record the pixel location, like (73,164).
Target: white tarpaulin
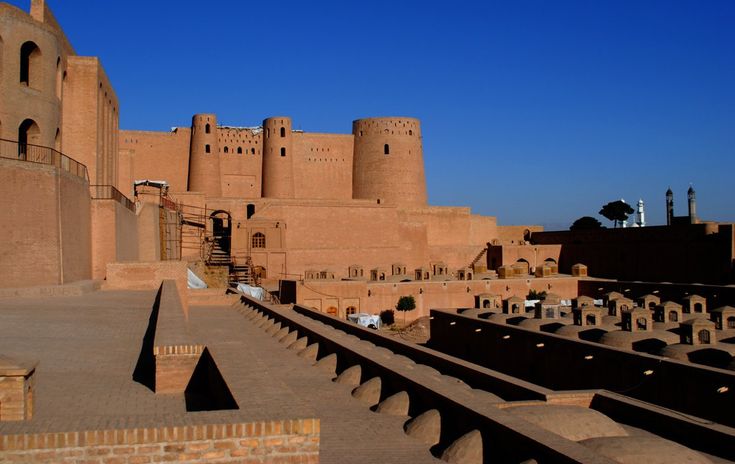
(255,292)
(194,281)
(364,319)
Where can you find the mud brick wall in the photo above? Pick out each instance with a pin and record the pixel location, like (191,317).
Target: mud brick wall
(282,441)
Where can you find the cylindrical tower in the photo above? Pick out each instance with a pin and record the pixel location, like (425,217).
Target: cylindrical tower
(204,172)
(388,161)
(277,158)
(692,197)
(669,207)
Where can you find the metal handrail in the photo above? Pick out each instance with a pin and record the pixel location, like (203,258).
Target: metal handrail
(43,155)
(108,192)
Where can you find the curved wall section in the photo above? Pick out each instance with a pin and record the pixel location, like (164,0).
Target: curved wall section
(278,155)
(388,161)
(204,171)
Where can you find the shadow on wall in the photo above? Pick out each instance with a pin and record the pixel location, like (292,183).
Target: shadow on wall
(207,389)
(145,369)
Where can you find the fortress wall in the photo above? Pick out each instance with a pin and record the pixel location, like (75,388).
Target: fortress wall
(80,107)
(45,222)
(514,234)
(90,120)
(333,235)
(690,253)
(323,165)
(428,295)
(158,156)
(453,234)
(40,100)
(114,235)
(241,172)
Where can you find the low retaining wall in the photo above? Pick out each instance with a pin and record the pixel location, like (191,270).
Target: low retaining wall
(286,441)
(561,363)
(175,351)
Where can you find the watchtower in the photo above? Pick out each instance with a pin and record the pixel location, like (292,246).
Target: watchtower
(388,161)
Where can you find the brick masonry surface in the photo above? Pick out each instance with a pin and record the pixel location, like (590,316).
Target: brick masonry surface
(286,441)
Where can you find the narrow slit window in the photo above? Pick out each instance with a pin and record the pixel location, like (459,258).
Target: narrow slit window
(283,151)
(207,129)
(386,149)
(283,131)
(207,149)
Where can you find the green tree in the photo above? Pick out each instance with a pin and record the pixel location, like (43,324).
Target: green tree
(586,223)
(404,305)
(616,211)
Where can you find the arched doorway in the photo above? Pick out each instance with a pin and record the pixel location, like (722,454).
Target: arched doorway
(28,134)
(221,237)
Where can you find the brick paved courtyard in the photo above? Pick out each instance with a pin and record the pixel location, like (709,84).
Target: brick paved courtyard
(88,347)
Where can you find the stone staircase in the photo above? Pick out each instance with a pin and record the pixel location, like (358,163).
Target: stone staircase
(480,255)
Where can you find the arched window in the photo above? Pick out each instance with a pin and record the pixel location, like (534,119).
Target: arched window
(673,316)
(641,323)
(239,150)
(410,132)
(703,336)
(207,128)
(30,64)
(332,311)
(258,240)
(591,320)
(207,149)
(227,149)
(252,150)
(350,310)
(283,131)
(58,78)
(386,149)
(283,151)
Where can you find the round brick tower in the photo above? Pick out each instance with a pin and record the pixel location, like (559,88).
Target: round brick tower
(204,172)
(388,161)
(277,158)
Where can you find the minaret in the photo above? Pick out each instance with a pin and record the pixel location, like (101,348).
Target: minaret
(692,197)
(669,207)
(640,215)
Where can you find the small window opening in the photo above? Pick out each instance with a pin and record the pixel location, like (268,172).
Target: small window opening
(386,149)
(239,150)
(283,151)
(258,240)
(283,131)
(207,149)
(207,129)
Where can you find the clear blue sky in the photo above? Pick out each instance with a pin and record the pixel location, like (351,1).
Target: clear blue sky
(532,111)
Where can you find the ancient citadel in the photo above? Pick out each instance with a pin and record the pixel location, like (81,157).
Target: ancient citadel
(106,356)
